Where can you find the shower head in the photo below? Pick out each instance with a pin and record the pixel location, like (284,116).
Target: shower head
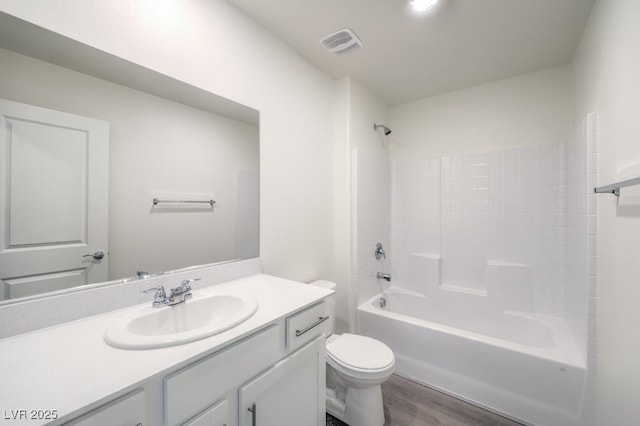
(387,131)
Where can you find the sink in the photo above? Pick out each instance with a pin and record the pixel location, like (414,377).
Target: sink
(195,319)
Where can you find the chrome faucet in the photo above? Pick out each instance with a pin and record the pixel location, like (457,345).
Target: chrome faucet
(141,275)
(182,292)
(159,297)
(383,276)
(177,295)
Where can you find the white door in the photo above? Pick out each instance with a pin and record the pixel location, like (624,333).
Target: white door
(54,170)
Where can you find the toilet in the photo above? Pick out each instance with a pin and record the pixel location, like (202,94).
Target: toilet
(356,367)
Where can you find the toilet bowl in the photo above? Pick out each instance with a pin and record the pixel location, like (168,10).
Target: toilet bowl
(356,367)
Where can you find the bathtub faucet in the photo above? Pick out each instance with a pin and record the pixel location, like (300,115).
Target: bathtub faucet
(383,276)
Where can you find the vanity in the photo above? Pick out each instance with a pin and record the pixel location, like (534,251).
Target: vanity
(268,369)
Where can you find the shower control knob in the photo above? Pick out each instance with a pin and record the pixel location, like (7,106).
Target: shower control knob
(380,254)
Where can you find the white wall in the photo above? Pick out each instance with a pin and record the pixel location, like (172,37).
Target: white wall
(532,109)
(211,45)
(362,194)
(607,67)
(371,191)
(156,146)
(342,209)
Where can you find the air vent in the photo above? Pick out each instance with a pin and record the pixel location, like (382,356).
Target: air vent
(341,40)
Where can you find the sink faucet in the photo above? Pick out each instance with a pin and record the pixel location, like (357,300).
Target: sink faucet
(159,297)
(383,276)
(182,292)
(177,295)
(141,275)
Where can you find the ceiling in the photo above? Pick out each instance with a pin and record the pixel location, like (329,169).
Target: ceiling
(408,56)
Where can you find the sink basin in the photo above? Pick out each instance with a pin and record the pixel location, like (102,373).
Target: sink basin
(194,319)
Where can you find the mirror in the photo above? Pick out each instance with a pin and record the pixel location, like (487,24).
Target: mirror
(195,153)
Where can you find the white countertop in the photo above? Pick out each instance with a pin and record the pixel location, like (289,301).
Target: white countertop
(69,366)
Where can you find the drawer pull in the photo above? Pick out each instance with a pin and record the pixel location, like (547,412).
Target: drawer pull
(304,330)
(254,414)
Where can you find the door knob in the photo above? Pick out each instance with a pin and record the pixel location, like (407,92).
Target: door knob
(96,255)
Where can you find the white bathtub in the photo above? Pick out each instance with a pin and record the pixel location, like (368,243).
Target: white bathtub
(520,365)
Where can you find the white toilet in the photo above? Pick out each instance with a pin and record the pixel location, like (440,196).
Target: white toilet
(356,367)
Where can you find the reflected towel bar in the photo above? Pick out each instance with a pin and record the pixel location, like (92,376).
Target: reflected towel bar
(157,201)
(614,188)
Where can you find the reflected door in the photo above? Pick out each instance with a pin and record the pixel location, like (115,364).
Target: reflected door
(53,200)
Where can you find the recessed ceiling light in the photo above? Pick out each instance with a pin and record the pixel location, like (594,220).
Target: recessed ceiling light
(422,5)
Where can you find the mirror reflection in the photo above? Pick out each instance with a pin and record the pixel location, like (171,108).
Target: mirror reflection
(201,165)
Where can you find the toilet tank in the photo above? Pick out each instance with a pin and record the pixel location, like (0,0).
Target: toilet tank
(329,301)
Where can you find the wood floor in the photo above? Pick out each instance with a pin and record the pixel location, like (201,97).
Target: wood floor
(407,403)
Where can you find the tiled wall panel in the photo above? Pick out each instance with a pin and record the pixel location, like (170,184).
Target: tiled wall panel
(515,208)
(515,225)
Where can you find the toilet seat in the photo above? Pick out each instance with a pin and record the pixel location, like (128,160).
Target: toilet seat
(360,356)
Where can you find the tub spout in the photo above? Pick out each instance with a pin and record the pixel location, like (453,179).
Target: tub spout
(382,275)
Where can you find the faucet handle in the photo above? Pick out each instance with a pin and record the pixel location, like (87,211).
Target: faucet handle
(187,283)
(159,289)
(160,297)
(186,286)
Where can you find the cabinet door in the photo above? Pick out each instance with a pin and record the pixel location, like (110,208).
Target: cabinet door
(196,387)
(126,411)
(218,415)
(291,393)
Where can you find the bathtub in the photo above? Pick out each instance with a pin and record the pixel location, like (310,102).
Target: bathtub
(523,366)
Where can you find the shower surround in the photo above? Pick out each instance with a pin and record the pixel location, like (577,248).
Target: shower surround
(495,222)
(501,232)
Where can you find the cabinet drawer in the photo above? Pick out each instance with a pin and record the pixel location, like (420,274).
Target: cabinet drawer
(128,410)
(196,387)
(218,415)
(305,326)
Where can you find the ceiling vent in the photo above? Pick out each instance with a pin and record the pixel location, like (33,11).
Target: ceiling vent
(341,41)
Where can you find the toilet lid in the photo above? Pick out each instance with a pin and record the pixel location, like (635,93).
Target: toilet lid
(360,352)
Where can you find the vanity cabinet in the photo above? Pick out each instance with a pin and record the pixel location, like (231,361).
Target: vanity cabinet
(266,379)
(205,390)
(274,376)
(275,359)
(282,395)
(218,415)
(128,410)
